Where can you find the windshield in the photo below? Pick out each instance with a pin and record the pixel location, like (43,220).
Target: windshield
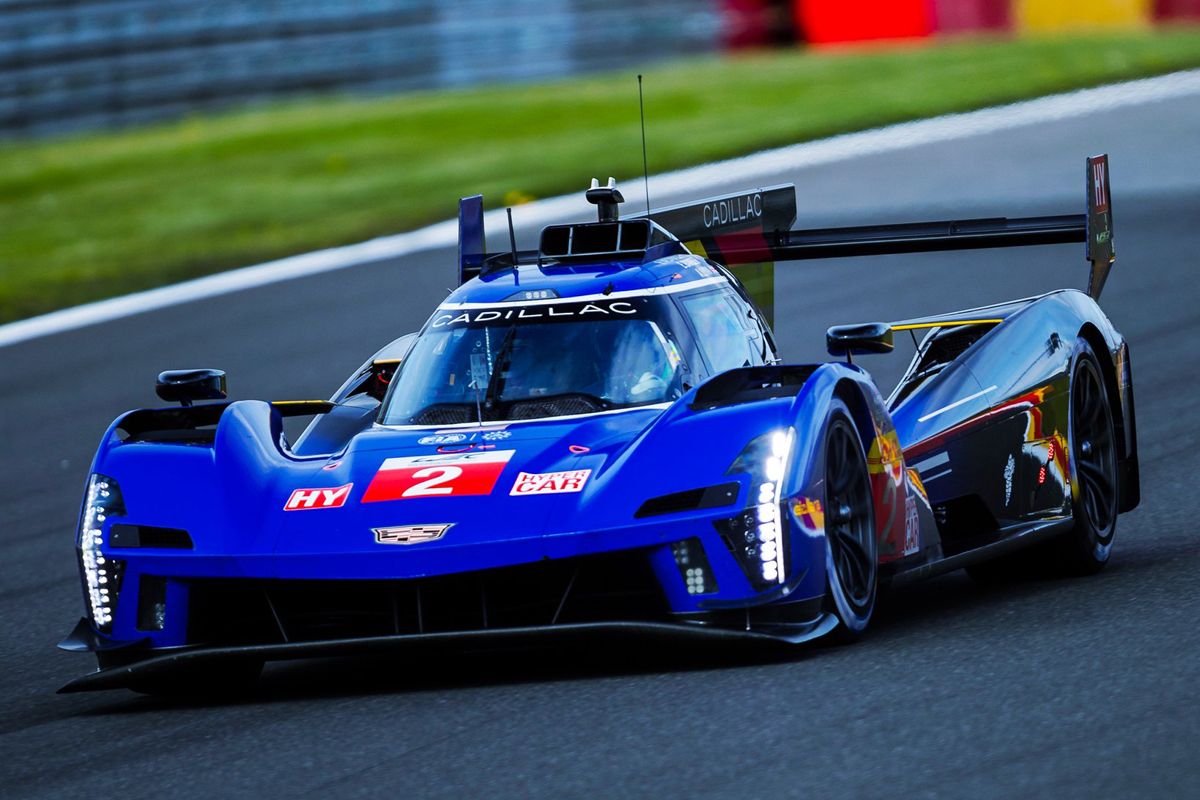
(539,360)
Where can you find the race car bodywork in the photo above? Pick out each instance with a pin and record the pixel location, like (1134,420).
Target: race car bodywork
(598,436)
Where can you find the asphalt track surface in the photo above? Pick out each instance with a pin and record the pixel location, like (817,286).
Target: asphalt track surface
(1084,687)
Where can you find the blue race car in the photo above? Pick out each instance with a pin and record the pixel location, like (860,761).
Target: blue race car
(599,437)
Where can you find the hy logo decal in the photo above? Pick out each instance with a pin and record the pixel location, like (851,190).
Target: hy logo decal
(304,499)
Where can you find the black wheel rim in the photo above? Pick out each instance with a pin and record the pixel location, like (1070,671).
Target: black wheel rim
(848,515)
(1093,449)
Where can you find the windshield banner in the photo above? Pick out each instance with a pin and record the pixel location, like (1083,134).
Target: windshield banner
(566,311)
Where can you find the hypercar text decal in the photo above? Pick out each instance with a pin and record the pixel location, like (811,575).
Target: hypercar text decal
(550,482)
(437,475)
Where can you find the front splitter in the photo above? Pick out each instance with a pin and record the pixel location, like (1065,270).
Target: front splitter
(121,677)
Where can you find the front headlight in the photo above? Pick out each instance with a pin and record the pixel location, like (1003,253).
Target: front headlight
(758,536)
(101,575)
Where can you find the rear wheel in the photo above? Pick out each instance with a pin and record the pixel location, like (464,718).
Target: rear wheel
(1085,550)
(851,561)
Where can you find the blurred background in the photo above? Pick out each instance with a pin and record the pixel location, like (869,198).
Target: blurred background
(76,64)
(147,142)
(71,64)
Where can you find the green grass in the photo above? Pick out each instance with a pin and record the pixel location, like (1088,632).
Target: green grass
(103,214)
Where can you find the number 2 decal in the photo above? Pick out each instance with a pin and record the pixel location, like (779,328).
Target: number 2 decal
(442,475)
(439,475)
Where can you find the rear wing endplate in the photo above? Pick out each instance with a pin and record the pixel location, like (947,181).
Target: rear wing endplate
(1100,250)
(472,247)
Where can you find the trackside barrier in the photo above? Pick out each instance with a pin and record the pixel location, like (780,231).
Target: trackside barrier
(833,21)
(72,64)
(1168,10)
(965,16)
(1041,16)
(77,64)
(836,21)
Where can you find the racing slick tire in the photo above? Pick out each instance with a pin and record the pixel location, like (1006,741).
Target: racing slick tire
(1094,478)
(851,553)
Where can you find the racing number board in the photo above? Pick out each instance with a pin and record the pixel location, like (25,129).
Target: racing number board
(440,475)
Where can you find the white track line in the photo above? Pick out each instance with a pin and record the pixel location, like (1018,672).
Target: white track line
(752,168)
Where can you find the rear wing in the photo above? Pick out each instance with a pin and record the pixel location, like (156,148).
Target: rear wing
(1094,228)
(748,231)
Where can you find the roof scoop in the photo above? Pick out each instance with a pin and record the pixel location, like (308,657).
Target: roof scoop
(606,199)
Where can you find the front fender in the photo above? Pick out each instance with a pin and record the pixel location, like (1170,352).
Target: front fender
(698,442)
(899,506)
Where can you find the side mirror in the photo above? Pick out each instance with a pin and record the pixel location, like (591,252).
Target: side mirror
(185,386)
(851,340)
(373,377)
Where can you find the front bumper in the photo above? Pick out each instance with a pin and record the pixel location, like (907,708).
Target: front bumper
(161,591)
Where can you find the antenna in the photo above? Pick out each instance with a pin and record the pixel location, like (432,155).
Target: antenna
(512,237)
(645,163)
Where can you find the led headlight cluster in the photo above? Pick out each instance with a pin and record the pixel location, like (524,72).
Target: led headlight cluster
(694,567)
(770,534)
(101,574)
(758,536)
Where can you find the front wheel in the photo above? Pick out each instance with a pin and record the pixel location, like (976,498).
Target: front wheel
(851,560)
